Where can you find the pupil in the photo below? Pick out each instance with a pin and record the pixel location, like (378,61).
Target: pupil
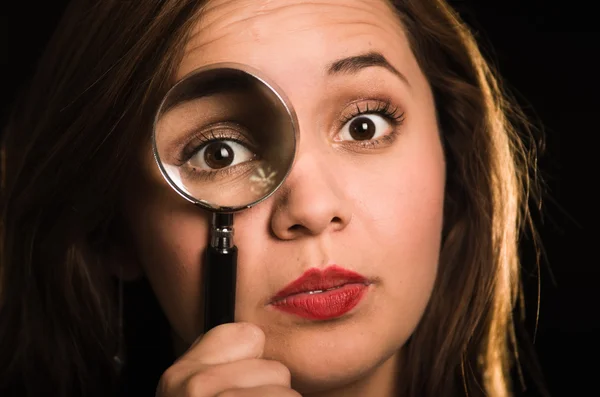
(362,128)
(218,155)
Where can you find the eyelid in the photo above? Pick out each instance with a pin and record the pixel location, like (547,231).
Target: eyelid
(242,169)
(218,131)
(382,106)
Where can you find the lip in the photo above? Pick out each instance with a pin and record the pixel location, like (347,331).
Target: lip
(322,294)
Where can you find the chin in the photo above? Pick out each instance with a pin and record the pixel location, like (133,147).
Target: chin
(322,359)
(342,370)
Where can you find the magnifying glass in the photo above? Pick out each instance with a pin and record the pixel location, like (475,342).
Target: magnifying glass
(225,139)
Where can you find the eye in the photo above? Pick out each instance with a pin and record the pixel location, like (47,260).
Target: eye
(365,127)
(219,154)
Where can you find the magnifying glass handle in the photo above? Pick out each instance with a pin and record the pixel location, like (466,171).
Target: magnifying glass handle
(219,286)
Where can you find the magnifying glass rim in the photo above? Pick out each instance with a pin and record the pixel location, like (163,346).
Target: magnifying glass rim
(271,86)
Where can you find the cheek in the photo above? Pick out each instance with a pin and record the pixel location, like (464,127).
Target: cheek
(400,211)
(171,235)
(408,209)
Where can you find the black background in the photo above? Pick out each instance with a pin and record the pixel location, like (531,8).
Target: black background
(548,54)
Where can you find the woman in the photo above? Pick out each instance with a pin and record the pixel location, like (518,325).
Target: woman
(409,175)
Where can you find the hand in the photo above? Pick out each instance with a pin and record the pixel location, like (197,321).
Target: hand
(226,362)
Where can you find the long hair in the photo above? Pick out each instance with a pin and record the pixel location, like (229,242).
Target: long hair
(466,339)
(70,145)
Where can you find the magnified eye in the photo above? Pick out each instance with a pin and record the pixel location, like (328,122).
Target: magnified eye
(218,154)
(365,127)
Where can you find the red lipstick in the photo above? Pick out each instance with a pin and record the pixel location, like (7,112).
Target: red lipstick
(322,294)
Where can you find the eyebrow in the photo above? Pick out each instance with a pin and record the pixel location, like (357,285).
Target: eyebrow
(356,63)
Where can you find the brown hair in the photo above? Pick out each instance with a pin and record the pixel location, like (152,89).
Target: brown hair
(466,338)
(73,137)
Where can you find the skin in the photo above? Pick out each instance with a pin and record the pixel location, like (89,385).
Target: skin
(373,210)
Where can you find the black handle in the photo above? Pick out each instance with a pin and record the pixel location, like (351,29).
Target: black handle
(219,286)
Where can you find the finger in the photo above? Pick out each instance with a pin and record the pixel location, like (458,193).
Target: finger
(227,343)
(261,391)
(241,374)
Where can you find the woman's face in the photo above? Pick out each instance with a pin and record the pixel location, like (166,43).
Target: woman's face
(365,192)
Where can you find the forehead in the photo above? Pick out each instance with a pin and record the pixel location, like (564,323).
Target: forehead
(292,35)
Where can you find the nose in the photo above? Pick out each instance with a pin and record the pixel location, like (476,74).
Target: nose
(311,201)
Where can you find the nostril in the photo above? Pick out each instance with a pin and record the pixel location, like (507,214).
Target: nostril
(295,227)
(298,227)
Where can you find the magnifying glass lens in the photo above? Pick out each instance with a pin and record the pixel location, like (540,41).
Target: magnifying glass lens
(224,138)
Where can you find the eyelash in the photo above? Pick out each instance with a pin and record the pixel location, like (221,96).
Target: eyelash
(202,139)
(382,108)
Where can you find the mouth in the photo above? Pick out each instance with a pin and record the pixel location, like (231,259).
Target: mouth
(322,294)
